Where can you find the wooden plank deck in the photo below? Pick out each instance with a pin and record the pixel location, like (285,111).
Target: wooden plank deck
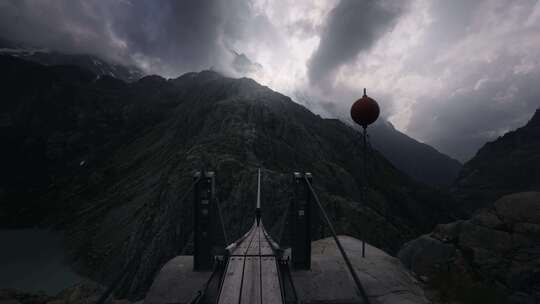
(232,281)
(270,281)
(251,285)
(252,274)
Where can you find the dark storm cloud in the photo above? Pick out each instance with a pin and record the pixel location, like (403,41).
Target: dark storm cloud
(63,25)
(165,35)
(352,26)
(182,34)
(451,73)
(490,74)
(460,123)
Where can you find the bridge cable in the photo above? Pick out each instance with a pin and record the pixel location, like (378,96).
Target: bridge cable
(340,247)
(222,222)
(283,221)
(202,293)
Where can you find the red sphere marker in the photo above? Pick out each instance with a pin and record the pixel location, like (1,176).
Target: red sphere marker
(365,111)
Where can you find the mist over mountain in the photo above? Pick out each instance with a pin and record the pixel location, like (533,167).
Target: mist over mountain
(420,161)
(107,161)
(92,63)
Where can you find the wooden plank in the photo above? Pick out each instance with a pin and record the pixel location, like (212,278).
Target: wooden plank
(230,291)
(251,286)
(271,290)
(254,248)
(266,249)
(250,277)
(244,245)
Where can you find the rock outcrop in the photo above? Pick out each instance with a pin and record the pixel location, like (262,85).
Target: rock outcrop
(498,247)
(507,165)
(383,277)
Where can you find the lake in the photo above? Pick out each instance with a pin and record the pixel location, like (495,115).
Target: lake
(34,260)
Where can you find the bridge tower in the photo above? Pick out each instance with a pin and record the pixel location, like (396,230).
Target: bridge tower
(301,223)
(203,221)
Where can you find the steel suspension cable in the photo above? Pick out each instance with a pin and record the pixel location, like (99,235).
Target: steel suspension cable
(340,247)
(281,226)
(222,222)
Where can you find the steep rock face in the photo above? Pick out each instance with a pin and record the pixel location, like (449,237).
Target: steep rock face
(111,162)
(507,165)
(499,246)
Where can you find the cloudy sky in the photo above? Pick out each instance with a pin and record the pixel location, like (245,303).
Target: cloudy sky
(453,74)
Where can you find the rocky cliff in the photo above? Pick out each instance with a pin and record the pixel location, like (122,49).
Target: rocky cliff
(493,257)
(507,165)
(108,161)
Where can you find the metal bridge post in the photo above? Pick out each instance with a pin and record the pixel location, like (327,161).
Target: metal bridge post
(301,223)
(203,219)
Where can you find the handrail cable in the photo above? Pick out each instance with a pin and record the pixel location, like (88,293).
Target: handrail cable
(340,247)
(201,293)
(222,222)
(281,226)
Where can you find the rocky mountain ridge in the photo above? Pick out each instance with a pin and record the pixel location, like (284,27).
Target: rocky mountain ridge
(92,63)
(497,252)
(108,161)
(506,165)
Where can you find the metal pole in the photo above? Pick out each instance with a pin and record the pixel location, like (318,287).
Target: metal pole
(203,221)
(364,171)
(301,223)
(343,253)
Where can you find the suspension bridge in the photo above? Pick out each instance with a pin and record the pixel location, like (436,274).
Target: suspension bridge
(254,268)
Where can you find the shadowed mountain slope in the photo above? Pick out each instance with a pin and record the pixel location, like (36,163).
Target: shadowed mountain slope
(109,161)
(420,161)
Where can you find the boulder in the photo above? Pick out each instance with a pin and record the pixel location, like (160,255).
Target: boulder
(383,277)
(499,246)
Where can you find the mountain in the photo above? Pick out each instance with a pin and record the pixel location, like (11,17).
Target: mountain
(108,162)
(94,64)
(506,165)
(420,161)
